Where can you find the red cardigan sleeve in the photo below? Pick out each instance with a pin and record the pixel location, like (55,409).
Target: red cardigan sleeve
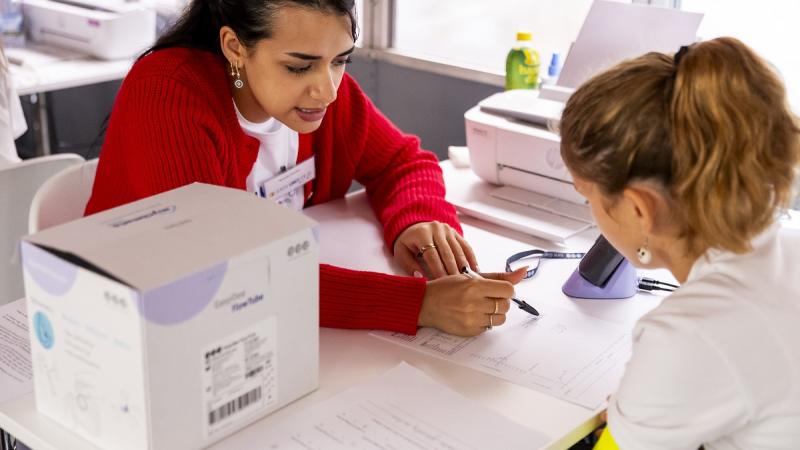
(356,299)
(403,182)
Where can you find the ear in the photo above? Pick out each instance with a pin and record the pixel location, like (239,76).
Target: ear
(233,50)
(643,203)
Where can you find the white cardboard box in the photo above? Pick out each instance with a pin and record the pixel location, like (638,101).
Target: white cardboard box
(173,321)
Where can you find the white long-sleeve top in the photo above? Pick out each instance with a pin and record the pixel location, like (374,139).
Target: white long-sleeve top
(718,362)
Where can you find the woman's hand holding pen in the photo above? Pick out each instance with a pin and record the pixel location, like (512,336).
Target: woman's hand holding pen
(438,245)
(467,306)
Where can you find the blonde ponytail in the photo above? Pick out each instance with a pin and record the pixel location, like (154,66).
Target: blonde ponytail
(735,143)
(713,127)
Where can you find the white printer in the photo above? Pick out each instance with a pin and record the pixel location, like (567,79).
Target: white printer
(106,29)
(511,145)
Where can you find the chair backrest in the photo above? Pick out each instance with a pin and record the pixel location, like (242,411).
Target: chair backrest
(18,185)
(63,197)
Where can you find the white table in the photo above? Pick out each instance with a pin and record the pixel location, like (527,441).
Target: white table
(37,69)
(349,357)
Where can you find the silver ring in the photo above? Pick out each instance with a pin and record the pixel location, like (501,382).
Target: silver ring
(490,322)
(495,307)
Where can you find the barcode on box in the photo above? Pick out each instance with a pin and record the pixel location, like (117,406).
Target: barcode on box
(234,406)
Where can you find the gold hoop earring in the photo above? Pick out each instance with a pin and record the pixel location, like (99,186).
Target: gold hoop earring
(237,77)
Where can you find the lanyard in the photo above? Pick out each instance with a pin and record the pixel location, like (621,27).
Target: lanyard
(538,255)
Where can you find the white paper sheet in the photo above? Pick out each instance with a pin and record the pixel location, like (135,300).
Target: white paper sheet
(403,408)
(614,31)
(563,353)
(16,377)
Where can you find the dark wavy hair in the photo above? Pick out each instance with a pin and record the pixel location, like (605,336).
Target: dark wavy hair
(252,20)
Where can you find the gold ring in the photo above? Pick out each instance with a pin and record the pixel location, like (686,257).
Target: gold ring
(490,322)
(425,247)
(495,307)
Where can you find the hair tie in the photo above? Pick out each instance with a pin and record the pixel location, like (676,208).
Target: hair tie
(679,55)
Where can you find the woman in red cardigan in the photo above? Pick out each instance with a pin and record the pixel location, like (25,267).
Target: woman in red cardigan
(244,94)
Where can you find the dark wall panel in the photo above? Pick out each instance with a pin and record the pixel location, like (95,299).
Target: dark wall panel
(429,105)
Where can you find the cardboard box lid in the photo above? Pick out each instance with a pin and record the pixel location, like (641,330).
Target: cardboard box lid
(156,240)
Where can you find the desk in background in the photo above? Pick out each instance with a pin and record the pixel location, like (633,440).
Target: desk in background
(350,357)
(37,69)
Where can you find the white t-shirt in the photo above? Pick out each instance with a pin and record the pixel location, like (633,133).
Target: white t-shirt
(277,153)
(12,120)
(718,362)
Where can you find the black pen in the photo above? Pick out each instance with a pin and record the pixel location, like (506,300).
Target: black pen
(525,307)
(521,303)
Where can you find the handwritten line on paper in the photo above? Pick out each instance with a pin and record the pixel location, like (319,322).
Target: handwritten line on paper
(403,408)
(563,353)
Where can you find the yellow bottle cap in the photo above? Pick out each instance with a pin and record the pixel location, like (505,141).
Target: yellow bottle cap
(524,36)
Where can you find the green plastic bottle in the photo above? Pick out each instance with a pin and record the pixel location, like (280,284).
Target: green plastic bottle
(522,64)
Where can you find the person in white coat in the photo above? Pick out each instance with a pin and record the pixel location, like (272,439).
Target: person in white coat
(12,120)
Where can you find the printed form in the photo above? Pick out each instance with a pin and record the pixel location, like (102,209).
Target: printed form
(563,353)
(403,408)
(16,376)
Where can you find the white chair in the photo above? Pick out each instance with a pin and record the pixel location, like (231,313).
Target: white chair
(63,197)
(18,185)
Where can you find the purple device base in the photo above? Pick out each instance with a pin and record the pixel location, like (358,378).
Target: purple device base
(622,284)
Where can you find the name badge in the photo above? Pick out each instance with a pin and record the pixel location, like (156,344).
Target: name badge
(282,187)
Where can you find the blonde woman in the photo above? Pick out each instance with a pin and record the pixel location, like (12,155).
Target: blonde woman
(687,162)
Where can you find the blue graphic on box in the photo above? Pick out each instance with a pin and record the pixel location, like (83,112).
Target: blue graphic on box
(44,330)
(54,275)
(183,299)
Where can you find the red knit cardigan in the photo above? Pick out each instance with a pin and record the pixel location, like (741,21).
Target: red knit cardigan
(173,123)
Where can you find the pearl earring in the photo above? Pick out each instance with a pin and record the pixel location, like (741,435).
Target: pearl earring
(643,253)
